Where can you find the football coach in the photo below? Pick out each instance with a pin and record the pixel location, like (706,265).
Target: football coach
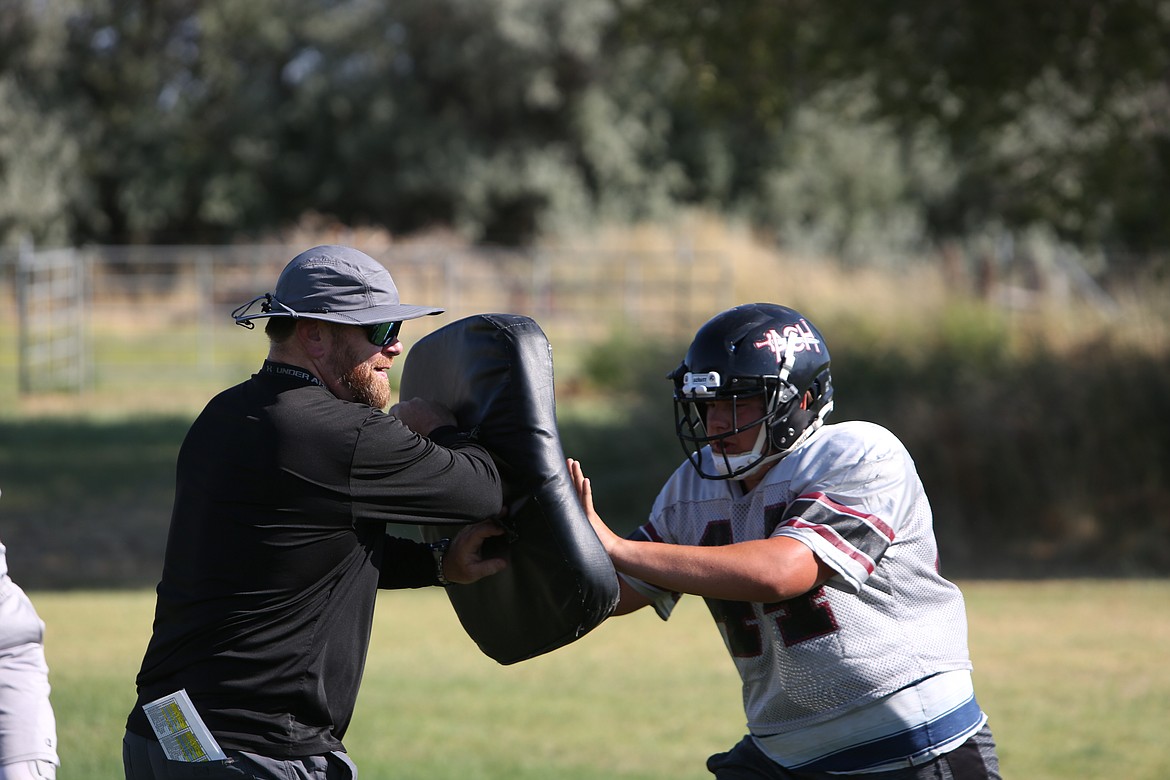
(278,537)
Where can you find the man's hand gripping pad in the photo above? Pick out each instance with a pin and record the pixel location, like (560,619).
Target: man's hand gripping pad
(494,371)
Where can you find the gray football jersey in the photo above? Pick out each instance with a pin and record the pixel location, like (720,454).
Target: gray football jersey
(887,618)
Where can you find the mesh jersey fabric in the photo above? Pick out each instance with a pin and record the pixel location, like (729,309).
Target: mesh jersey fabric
(885,620)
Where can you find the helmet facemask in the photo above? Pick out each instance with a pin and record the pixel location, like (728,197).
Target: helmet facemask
(692,401)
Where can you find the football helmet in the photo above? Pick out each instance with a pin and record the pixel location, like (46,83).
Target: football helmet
(754,349)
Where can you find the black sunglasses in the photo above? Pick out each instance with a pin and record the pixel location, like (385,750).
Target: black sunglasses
(384,333)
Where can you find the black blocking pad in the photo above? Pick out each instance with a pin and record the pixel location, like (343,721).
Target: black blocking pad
(494,371)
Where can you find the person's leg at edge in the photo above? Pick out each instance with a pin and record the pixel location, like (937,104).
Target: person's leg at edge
(29,770)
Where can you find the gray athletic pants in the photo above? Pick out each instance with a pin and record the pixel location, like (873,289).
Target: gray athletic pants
(143,759)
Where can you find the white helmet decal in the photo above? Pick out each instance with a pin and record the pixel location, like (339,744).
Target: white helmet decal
(795,338)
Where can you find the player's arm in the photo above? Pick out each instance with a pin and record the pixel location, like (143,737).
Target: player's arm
(629,599)
(763,570)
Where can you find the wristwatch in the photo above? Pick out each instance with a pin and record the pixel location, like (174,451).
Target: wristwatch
(439,549)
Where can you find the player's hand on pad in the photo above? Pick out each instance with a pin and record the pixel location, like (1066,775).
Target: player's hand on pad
(585,494)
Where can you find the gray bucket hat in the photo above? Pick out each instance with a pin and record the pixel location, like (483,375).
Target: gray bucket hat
(335,284)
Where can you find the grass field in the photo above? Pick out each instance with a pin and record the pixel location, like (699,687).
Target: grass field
(1073,675)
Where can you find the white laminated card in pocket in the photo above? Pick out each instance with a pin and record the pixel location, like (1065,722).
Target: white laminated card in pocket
(180,730)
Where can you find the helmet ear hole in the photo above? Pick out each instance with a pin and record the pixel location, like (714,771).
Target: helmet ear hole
(785,431)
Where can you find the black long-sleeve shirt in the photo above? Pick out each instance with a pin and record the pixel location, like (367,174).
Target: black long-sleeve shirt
(277,546)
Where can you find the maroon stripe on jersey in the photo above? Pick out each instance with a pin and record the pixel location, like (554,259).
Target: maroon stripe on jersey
(879,525)
(647,532)
(863,537)
(837,541)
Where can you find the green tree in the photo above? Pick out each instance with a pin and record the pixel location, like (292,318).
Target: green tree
(1054,114)
(838,125)
(201,120)
(38,154)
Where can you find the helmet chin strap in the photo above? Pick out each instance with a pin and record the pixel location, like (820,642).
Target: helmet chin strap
(750,462)
(754,467)
(744,464)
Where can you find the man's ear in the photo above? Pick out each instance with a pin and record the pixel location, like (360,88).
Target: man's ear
(314,337)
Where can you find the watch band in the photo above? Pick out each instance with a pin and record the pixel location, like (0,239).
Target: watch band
(439,551)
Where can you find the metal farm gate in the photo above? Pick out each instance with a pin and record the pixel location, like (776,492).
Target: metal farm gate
(51,304)
(153,320)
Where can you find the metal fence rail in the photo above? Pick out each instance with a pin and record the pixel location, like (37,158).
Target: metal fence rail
(115,320)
